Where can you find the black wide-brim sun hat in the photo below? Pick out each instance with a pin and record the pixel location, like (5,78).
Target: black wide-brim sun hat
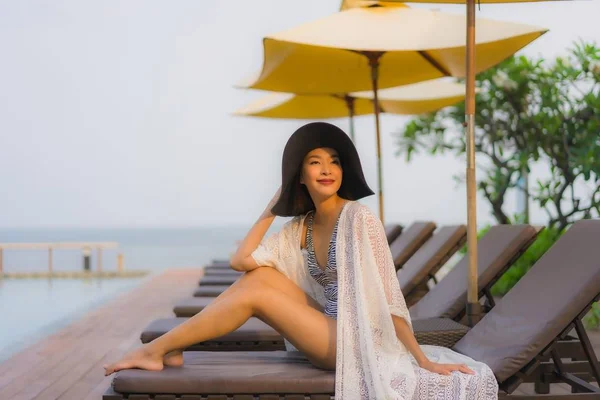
(294,199)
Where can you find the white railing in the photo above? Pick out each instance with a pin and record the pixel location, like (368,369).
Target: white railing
(85,247)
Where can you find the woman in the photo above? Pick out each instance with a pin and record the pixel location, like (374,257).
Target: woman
(327,283)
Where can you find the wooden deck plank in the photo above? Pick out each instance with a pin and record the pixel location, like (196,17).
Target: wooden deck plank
(67,352)
(68,374)
(90,379)
(68,364)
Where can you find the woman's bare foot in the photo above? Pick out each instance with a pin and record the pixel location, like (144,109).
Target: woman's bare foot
(173,359)
(141,358)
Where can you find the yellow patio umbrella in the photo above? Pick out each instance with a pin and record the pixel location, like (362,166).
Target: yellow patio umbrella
(379,47)
(411,99)
(471,62)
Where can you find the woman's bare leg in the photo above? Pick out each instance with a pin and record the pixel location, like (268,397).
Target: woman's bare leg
(264,293)
(175,358)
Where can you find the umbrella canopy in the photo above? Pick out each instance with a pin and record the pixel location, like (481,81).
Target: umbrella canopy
(328,55)
(416,98)
(404,100)
(292,106)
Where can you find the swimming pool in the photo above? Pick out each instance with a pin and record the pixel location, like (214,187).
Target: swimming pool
(32,309)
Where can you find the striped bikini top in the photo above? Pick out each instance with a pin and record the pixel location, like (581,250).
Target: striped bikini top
(327,277)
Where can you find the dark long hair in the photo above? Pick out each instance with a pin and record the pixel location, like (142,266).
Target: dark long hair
(300,198)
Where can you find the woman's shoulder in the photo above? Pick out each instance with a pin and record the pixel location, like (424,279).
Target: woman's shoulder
(294,223)
(353,209)
(359,211)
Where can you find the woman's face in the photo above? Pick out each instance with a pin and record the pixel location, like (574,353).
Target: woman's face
(321,173)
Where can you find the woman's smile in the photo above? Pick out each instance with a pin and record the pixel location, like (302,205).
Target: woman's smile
(326,182)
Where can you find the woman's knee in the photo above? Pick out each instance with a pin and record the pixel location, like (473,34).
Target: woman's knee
(259,277)
(327,365)
(253,287)
(263,299)
(264,277)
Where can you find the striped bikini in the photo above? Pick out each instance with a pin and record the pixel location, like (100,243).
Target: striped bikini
(327,277)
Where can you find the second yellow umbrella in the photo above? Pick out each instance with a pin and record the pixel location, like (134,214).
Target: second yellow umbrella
(412,99)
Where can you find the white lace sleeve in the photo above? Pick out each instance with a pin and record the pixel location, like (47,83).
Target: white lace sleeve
(267,252)
(385,266)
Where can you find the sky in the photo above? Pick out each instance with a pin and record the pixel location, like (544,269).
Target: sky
(118,114)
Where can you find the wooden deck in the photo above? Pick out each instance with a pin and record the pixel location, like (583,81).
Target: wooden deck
(68,365)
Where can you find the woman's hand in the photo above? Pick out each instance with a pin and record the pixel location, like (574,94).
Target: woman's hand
(272,202)
(446,369)
(242,259)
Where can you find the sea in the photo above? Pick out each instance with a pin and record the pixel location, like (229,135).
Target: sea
(31,309)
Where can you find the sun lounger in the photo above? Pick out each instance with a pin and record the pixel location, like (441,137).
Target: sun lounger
(447,299)
(210,291)
(543,307)
(191,306)
(217,266)
(498,249)
(219,280)
(513,339)
(502,245)
(222,271)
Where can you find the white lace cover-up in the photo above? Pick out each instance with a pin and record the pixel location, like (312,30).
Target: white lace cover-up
(372,363)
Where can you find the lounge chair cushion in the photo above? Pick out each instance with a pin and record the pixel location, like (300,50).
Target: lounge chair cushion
(191,306)
(429,257)
(221,272)
(210,291)
(392,231)
(231,373)
(409,241)
(212,280)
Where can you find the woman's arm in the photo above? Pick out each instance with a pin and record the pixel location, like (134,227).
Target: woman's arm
(406,336)
(242,259)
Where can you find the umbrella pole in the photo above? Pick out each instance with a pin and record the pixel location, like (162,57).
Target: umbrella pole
(473,305)
(374,63)
(350,105)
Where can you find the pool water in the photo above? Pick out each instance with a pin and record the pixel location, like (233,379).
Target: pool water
(32,309)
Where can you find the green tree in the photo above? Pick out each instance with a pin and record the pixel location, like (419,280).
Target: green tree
(528,110)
